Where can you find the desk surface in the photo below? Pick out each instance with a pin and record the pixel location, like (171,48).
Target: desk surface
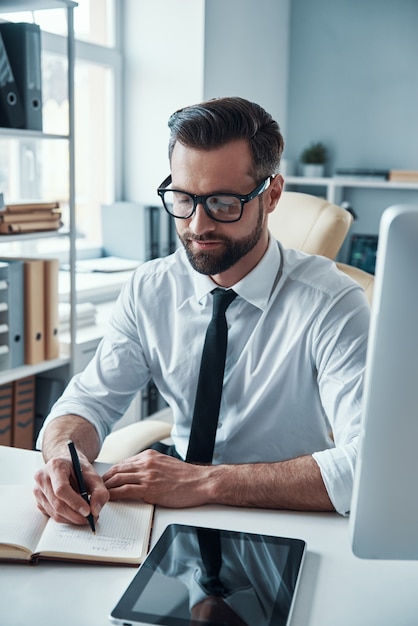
(336,588)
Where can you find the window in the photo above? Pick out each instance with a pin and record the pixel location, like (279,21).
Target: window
(24,171)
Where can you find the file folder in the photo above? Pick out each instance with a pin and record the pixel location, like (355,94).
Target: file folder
(51,273)
(16,302)
(23,421)
(23,44)
(155,231)
(130,231)
(34,311)
(6,407)
(4,317)
(164,247)
(12,114)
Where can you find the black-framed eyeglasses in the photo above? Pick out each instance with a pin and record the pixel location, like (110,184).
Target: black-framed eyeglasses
(221,207)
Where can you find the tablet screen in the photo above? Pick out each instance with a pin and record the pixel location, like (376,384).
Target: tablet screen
(197,575)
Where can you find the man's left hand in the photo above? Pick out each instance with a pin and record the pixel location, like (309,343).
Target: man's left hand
(159,479)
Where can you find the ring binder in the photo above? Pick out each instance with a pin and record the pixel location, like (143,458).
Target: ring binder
(23,45)
(11,109)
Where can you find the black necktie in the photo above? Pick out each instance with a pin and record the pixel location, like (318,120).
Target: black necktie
(211,553)
(209,386)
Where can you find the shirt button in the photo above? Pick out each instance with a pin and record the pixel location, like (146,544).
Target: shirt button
(219,424)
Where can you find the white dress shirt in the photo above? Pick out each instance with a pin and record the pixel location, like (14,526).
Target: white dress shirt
(294,367)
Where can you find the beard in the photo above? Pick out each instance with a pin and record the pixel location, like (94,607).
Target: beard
(212,263)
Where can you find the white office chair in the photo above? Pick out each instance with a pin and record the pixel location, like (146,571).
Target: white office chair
(310,224)
(364,279)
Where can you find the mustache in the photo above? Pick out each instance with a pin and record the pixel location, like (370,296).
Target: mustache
(190,237)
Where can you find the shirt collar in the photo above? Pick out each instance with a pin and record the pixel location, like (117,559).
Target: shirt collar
(255,287)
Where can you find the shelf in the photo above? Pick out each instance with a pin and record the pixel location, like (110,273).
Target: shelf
(332,181)
(45,234)
(23,133)
(335,185)
(13,6)
(16,373)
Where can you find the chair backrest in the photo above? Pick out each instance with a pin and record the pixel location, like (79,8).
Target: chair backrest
(310,224)
(364,279)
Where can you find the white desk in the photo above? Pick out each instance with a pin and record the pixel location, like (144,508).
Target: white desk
(336,589)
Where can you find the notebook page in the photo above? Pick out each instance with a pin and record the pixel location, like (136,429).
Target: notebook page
(122,532)
(21,522)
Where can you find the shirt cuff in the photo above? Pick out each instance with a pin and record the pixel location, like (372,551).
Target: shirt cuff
(337,471)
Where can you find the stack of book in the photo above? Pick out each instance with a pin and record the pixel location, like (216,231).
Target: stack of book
(85,315)
(362,172)
(403,176)
(30,217)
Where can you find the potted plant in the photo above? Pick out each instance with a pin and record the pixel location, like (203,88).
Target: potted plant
(313,159)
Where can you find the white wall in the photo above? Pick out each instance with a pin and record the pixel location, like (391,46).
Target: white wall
(183,51)
(247,52)
(163,44)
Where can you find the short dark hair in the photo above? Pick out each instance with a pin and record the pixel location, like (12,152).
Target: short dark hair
(216,122)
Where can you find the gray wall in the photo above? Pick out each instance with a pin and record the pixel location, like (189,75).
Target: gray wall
(354,85)
(354,81)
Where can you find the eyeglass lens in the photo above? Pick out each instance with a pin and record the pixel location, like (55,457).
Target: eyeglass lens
(222,207)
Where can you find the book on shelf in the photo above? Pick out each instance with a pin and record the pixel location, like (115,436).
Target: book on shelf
(29,216)
(403,176)
(29,206)
(122,535)
(30,226)
(361,172)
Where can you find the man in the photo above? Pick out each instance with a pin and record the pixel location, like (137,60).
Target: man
(291,400)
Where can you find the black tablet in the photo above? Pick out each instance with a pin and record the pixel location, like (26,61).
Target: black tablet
(196,575)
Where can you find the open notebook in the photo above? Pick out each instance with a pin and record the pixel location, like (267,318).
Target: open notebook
(122,532)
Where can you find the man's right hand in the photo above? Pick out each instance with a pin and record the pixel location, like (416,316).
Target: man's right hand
(57,494)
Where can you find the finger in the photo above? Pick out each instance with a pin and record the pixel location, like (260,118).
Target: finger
(65,496)
(52,481)
(99,495)
(56,509)
(127,492)
(60,500)
(144,459)
(123,478)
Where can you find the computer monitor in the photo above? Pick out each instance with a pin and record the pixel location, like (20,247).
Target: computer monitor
(363,250)
(384,509)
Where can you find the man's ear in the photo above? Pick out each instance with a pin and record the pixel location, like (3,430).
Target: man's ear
(274,192)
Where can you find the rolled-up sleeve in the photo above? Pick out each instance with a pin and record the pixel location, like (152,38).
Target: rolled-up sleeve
(342,351)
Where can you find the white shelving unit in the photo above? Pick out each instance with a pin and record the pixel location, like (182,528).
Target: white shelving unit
(334,186)
(8,6)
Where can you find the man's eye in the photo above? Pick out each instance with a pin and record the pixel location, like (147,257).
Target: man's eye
(222,203)
(181,198)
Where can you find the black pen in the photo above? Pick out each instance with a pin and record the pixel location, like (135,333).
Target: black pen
(80,481)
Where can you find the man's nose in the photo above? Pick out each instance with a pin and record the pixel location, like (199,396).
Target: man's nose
(200,222)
